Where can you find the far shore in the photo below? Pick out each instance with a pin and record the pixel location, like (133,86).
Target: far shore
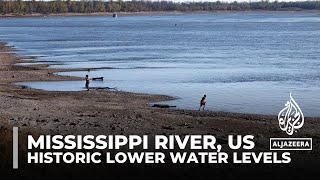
(152,13)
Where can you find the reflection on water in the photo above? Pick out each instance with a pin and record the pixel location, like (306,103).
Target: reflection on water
(243,62)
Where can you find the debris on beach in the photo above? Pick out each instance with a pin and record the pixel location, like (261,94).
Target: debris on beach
(168,127)
(162,106)
(97,78)
(108,88)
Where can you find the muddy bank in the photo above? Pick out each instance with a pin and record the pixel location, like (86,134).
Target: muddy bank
(112,111)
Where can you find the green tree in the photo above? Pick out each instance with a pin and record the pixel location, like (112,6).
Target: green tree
(90,6)
(99,6)
(61,7)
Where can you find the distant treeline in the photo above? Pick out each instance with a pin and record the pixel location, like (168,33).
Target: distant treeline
(20,7)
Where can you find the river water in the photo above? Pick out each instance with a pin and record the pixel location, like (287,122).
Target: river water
(243,62)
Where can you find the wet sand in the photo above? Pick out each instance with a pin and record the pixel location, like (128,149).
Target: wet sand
(116,112)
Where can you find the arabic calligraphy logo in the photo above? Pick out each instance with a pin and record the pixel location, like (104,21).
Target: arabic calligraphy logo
(291,117)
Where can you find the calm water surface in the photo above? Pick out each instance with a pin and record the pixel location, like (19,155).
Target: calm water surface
(243,62)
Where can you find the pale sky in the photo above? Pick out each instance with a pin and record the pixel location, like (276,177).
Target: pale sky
(205,0)
(227,0)
(233,0)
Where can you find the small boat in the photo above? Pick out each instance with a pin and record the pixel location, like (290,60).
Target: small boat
(115,15)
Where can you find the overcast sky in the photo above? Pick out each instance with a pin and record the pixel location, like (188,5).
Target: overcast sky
(221,0)
(227,0)
(203,0)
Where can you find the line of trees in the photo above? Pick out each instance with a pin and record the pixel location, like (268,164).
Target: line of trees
(20,7)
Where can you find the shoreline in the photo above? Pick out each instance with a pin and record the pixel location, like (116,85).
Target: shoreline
(27,73)
(48,74)
(152,13)
(103,112)
(56,77)
(51,76)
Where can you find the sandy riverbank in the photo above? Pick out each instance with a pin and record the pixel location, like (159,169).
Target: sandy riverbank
(116,112)
(103,109)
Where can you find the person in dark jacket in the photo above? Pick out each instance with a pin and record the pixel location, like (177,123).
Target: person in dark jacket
(87,82)
(203,102)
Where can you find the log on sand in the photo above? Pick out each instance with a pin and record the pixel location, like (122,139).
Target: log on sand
(162,106)
(102,88)
(97,78)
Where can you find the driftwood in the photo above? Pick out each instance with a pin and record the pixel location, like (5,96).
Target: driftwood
(97,78)
(96,88)
(168,127)
(162,106)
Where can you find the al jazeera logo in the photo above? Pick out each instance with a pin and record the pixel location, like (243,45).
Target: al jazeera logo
(291,119)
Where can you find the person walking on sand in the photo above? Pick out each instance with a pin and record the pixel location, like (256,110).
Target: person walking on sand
(87,82)
(203,102)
